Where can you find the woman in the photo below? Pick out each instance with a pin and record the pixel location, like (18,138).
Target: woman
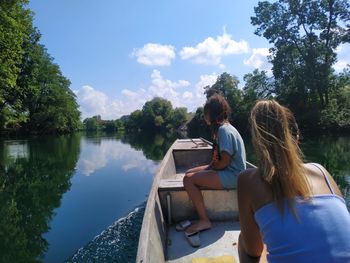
(296,209)
(228,161)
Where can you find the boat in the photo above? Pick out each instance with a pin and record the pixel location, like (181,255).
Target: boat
(168,204)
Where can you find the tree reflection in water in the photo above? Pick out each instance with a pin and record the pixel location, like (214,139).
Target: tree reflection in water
(34,174)
(333,152)
(153,145)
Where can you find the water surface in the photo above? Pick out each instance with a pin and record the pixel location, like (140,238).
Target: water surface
(81,198)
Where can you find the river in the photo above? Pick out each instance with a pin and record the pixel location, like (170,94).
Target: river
(81,197)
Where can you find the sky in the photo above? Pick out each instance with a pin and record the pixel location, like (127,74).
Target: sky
(118,54)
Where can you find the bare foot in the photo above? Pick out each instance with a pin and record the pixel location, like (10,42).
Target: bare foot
(199,226)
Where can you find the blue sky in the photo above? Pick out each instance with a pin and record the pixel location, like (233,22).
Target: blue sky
(119,54)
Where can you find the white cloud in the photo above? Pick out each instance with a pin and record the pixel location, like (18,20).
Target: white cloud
(343,52)
(155,54)
(129,93)
(94,157)
(211,50)
(93,102)
(191,98)
(180,93)
(340,65)
(165,88)
(205,80)
(187,95)
(258,59)
(194,98)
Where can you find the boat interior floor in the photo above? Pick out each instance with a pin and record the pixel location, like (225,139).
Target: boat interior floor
(220,240)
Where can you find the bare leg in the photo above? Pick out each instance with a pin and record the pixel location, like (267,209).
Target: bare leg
(197,169)
(192,182)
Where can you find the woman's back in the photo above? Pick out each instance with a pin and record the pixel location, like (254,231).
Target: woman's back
(319,234)
(318,230)
(286,204)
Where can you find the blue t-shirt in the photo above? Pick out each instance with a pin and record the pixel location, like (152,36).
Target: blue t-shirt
(230,141)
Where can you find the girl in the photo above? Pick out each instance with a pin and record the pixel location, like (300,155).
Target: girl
(229,159)
(296,209)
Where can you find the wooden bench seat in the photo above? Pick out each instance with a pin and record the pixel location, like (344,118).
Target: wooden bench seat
(221,204)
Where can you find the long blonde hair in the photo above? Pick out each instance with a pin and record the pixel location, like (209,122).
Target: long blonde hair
(274,135)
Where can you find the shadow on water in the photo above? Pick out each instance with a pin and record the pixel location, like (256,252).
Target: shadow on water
(33,177)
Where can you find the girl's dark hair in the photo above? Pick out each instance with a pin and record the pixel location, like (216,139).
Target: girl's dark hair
(217,109)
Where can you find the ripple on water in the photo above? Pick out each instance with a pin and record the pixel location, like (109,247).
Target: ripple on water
(118,243)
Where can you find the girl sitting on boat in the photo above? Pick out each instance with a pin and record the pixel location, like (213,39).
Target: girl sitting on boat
(229,159)
(296,209)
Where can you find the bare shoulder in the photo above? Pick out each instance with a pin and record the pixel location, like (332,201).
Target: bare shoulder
(252,187)
(248,178)
(316,173)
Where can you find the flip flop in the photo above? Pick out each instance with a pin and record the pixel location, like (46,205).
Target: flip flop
(183,225)
(193,239)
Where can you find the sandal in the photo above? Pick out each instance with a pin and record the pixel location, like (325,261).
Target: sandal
(183,225)
(193,239)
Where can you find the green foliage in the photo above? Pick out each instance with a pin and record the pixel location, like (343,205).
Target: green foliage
(51,105)
(91,124)
(34,95)
(119,125)
(95,124)
(197,127)
(332,152)
(305,35)
(156,115)
(14,21)
(224,85)
(227,86)
(179,117)
(336,115)
(134,121)
(109,126)
(257,86)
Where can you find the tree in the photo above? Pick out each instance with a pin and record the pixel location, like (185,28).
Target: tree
(156,114)
(197,127)
(109,126)
(227,86)
(337,113)
(133,122)
(257,86)
(179,117)
(91,124)
(34,95)
(305,35)
(46,96)
(119,125)
(14,23)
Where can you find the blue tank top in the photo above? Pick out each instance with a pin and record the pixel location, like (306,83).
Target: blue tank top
(319,233)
